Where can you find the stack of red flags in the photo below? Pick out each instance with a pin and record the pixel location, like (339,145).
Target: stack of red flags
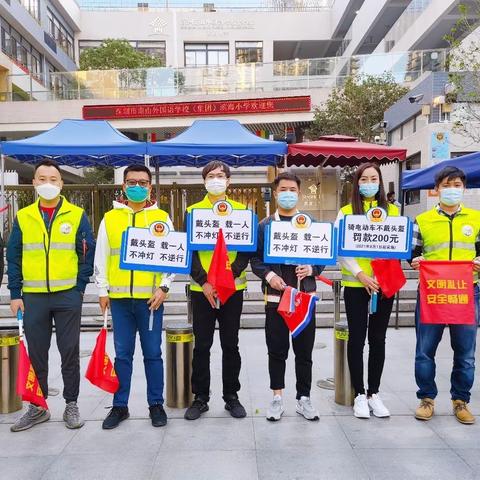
(297,309)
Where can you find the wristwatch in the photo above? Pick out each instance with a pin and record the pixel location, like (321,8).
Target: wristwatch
(164,289)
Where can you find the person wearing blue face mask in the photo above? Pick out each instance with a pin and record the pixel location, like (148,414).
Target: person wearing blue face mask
(275,278)
(135,297)
(449,231)
(359,284)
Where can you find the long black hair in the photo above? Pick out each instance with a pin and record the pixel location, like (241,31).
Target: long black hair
(357,200)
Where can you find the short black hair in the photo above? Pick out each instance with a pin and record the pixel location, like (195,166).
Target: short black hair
(450,173)
(389,194)
(214,164)
(48,163)
(286,176)
(137,168)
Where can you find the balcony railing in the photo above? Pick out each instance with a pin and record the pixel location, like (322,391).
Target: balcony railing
(242,78)
(209,5)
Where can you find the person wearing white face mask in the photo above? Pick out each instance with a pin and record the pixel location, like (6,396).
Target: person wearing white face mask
(50,260)
(275,278)
(216,175)
(449,231)
(359,284)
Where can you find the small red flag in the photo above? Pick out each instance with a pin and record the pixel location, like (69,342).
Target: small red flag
(100,371)
(27,382)
(220,274)
(389,275)
(297,309)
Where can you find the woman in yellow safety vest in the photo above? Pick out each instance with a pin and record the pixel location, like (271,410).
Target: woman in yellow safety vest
(359,286)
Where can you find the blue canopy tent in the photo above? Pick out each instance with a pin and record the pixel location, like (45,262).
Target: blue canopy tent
(78,143)
(424,178)
(206,140)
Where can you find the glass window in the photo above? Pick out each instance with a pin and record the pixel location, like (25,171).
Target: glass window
(60,34)
(201,54)
(248,52)
(413,163)
(33,7)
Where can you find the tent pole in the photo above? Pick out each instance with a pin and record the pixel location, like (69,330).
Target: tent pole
(402,209)
(157,183)
(2,193)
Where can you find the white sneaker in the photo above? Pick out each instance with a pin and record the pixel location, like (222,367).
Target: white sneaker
(360,407)
(275,409)
(305,408)
(377,407)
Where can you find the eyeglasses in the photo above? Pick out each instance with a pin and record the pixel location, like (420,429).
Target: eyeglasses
(133,183)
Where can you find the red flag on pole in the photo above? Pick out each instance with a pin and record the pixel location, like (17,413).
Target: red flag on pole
(220,274)
(100,371)
(446,292)
(389,275)
(27,382)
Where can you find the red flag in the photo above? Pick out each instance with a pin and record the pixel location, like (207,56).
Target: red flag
(100,371)
(446,292)
(297,309)
(389,275)
(27,382)
(220,274)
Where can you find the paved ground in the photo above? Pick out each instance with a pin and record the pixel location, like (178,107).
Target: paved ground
(219,447)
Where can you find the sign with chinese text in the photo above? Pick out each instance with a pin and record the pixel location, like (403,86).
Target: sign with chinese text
(155,249)
(446,292)
(239,227)
(439,147)
(197,109)
(375,235)
(300,241)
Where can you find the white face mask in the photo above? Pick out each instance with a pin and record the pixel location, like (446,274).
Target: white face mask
(48,191)
(216,186)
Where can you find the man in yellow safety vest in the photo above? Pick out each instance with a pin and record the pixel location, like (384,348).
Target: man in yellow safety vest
(216,176)
(50,260)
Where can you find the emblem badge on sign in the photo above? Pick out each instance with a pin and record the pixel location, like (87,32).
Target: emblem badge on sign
(467,230)
(65,228)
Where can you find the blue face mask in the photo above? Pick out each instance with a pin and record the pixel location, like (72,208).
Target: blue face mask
(368,190)
(136,194)
(451,196)
(287,200)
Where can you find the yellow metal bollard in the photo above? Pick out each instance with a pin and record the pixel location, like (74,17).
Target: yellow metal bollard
(9,400)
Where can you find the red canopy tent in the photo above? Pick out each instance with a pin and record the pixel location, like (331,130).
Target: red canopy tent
(341,151)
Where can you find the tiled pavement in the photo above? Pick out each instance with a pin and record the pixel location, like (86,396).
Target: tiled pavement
(219,447)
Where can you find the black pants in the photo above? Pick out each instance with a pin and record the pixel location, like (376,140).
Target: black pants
(65,308)
(359,321)
(204,318)
(278,344)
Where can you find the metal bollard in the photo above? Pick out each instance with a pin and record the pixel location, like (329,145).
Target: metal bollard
(343,386)
(179,365)
(9,400)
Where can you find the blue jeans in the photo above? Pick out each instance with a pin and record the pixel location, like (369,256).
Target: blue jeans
(128,316)
(463,340)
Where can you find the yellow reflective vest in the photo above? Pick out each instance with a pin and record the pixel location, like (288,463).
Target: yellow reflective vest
(447,238)
(348,279)
(129,283)
(206,256)
(49,257)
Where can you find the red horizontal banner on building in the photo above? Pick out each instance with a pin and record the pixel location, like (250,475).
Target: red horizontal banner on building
(190,109)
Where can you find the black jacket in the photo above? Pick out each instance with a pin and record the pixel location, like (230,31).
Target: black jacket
(287,272)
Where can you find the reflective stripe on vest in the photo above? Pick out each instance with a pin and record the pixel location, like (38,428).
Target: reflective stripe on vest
(206,256)
(49,257)
(129,283)
(439,246)
(365,264)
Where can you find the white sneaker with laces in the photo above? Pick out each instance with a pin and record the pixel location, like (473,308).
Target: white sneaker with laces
(275,409)
(360,406)
(306,409)
(377,407)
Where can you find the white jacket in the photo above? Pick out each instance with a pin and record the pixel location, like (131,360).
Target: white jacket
(102,252)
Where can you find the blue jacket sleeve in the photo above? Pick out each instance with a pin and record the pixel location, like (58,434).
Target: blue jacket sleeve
(14,262)
(85,247)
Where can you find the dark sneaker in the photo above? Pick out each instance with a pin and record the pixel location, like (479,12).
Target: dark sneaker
(71,416)
(33,416)
(235,408)
(158,415)
(116,415)
(196,409)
